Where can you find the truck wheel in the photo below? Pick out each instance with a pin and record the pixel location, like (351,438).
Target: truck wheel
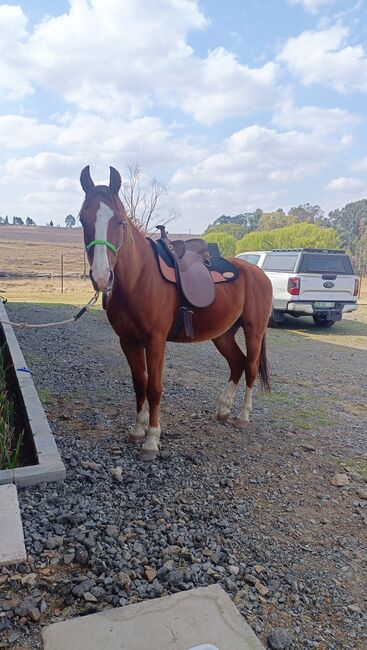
(322,322)
(276,318)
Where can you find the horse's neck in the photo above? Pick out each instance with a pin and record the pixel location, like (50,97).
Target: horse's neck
(135,260)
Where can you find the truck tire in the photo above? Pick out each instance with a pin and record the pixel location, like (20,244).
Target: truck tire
(320,322)
(276,318)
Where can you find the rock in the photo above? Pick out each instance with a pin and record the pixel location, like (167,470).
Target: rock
(89,464)
(355,609)
(123,580)
(173,549)
(259,568)
(234,570)
(279,639)
(261,588)
(34,614)
(112,531)
(362,494)
(339,480)
(150,573)
(81,556)
(54,542)
(88,596)
(68,558)
(24,607)
(116,473)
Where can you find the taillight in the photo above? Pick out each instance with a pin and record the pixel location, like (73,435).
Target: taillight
(293,286)
(356,287)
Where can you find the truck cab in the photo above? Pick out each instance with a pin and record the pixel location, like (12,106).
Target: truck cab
(308,282)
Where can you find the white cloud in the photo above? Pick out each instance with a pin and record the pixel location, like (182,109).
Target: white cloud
(219,86)
(360,165)
(313,6)
(345,184)
(314,118)
(17,132)
(258,156)
(324,57)
(14,68)
(115,57)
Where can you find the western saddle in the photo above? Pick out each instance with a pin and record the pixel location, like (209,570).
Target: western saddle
(190,265)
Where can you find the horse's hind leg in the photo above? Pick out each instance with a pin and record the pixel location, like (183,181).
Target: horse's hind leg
(253,350)
(227,345)
(135,355)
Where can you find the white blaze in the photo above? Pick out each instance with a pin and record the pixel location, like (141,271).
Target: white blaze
(100,267)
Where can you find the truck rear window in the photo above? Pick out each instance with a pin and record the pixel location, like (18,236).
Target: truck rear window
(280,262)
(326,263)
(250,257)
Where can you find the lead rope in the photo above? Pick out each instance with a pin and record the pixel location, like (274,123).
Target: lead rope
(80,313)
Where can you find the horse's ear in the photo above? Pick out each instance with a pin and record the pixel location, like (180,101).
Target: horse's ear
(86,180)
(115,180)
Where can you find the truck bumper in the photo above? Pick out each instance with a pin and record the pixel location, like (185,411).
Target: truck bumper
(309,308)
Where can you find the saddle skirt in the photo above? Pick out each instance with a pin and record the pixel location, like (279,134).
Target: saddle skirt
(192,268)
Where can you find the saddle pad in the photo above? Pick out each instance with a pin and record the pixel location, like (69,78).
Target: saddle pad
(220,269)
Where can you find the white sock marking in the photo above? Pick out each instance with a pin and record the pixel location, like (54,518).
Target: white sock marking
(246,406)
(142,421)
(152,441)
(226,399)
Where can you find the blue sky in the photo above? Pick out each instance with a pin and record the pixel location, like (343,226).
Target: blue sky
(234,105)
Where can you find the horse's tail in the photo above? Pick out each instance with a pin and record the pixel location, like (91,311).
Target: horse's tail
(263,367)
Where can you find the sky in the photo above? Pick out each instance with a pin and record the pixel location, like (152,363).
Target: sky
(235,105)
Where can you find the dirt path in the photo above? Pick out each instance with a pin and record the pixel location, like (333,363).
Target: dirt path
(254,510)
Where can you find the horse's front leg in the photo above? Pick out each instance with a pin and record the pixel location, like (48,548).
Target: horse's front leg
(155,359)
(135,355)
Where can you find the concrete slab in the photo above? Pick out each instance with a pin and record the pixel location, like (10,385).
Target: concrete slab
(12,547)
(199,619)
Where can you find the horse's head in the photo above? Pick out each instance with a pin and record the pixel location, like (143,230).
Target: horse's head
(103,217)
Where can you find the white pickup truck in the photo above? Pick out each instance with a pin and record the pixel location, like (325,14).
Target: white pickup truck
(308,282)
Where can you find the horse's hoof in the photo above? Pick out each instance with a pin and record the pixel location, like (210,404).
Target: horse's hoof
(241,424)
(135,440)
(222,417)
(148,454)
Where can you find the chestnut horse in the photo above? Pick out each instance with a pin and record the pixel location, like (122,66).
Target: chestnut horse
(142,308)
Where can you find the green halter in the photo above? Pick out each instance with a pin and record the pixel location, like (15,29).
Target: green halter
(104,243)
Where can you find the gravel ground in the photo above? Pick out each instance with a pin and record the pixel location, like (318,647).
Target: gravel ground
(256,511)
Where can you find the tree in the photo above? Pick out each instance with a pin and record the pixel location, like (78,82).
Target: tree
(226,242)
(277,219)
(51,223)
(248,220)
(307,212)
(235,229)
(348,222)
(18,221)
(69,221)
(30,222)
(299,235)
(142,201)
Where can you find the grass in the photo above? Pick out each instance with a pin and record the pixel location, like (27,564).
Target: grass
(9,452)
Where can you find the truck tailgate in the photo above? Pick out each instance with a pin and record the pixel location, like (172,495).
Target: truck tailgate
(314,287)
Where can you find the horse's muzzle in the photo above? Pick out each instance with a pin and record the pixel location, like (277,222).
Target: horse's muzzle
(100,284)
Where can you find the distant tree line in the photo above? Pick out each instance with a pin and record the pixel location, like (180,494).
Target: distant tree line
(304,225)
(70,221)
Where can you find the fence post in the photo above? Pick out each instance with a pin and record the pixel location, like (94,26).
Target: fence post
(62,273)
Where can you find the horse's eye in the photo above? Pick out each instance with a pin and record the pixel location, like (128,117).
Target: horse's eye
(120,222)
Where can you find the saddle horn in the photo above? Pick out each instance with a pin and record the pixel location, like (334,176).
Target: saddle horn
(86,180)
(115,180)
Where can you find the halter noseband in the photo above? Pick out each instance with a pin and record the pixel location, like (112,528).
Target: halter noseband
(103,242)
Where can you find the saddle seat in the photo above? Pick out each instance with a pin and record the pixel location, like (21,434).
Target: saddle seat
(192,265)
